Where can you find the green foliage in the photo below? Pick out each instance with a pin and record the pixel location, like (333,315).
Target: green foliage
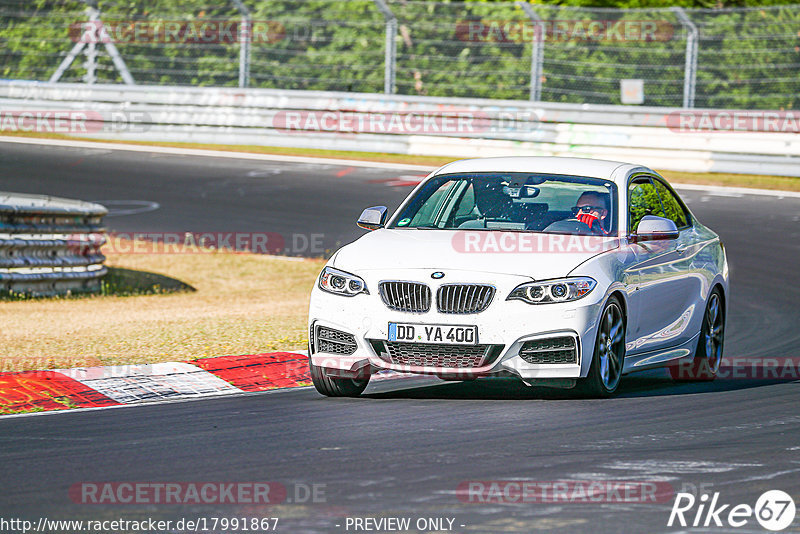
(672,209)
(647,199)
(747,58)
(642,200)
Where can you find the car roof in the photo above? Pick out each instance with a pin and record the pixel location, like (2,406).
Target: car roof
(594,168)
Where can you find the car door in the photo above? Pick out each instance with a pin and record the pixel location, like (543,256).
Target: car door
(661,304)
(688,248)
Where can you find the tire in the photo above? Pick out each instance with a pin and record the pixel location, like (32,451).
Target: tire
(334,386)
(605,372)
(708,356)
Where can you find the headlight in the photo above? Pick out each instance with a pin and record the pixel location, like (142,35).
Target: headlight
(342,283)
(550,291)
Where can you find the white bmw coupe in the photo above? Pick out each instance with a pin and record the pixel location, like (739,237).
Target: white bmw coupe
(560,272)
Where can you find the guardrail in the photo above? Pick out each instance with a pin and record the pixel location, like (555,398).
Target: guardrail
(49,245)
(270,117)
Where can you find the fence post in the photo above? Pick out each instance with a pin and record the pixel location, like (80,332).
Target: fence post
(390,58)
(91,52)
(537,51)
(690,68)
(245,33)
(99,35)
(66,62)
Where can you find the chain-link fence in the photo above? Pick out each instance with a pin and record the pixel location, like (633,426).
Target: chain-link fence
(724,58)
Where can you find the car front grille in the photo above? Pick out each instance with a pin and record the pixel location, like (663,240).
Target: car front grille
(550,350)
(436,354)
(334,341)
(464,298)
(411,297)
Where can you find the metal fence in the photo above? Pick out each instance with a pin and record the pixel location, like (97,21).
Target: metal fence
(745,58)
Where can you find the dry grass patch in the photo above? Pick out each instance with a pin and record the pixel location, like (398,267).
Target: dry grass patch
(243,304)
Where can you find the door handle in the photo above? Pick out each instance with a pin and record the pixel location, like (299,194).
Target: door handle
(681,249)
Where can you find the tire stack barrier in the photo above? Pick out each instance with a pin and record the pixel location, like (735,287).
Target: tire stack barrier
(50,246)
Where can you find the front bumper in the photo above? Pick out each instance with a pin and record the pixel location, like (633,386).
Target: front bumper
(504,327)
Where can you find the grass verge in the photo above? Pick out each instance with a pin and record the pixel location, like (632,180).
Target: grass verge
(243,304)
(757,181)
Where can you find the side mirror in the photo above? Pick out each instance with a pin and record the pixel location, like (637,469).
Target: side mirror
(653,228)
(373,218)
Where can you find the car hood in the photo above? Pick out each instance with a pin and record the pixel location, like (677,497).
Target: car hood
(540,256)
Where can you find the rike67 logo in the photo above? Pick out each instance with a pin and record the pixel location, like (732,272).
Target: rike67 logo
(774,510)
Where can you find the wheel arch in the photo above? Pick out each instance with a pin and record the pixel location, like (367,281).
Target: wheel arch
(623,302)
(719,283)
(587,354)
(590,382)
(722,295)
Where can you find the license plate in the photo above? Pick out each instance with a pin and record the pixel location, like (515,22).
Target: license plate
(433,333)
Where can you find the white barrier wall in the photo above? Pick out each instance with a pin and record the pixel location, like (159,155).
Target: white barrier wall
(743,142)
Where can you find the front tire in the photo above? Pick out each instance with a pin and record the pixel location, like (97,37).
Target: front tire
(605,371)
(708,356)
(332,386)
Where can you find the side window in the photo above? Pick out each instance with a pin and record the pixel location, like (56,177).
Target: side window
(672,207)
(467,202)
(426,215)
(642,200)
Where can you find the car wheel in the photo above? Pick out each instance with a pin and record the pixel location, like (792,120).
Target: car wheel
(605,371)
(708,356)
(331,386)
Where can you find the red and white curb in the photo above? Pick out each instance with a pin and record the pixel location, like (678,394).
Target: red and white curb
(99,387)
(94,387)
(127,384)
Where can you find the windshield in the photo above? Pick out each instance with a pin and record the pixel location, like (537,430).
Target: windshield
(513,202)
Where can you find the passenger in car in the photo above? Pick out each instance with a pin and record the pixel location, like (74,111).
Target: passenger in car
(492,204)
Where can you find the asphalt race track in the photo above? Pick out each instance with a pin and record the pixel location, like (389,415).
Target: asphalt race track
(403,449)
(207,194)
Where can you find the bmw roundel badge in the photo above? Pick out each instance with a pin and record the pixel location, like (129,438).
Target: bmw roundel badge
(438,275)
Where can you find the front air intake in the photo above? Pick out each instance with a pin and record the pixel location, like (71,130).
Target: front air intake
(334,341)
(437,355)
(553,350)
